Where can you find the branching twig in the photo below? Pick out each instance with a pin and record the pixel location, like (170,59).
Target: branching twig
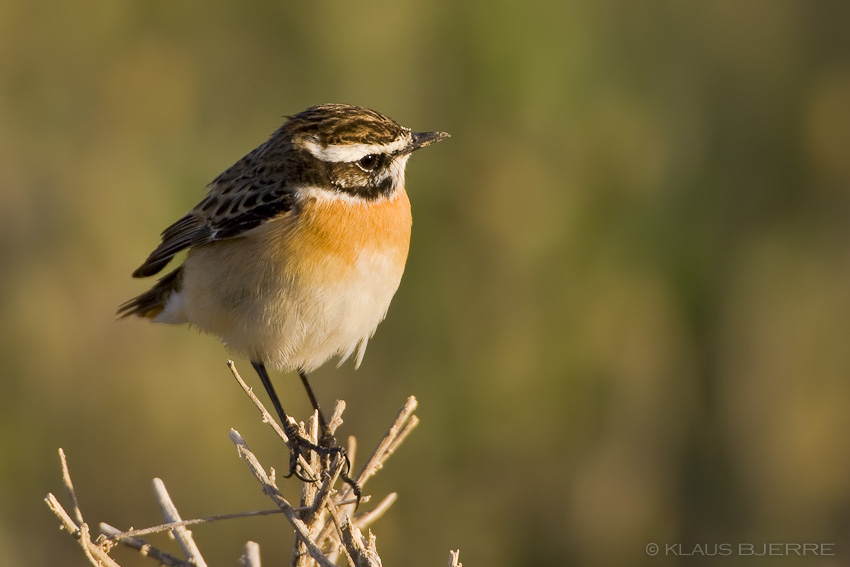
(272,492)
(359,552)
(324,523)
(144,547)
(402,426)
(95,554)
(404,423)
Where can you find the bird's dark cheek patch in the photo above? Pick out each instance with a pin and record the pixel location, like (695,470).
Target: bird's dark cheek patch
(374,189)
(385,186)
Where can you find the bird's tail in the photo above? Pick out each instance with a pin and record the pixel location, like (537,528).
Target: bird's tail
(152,302)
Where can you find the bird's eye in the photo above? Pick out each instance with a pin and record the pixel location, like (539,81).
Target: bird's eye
(368,162)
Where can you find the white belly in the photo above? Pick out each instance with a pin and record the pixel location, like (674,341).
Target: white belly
(282,319)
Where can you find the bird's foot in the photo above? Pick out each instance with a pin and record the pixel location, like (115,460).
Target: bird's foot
(327,449)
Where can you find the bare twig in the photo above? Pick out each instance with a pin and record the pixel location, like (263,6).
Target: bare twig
(351,449)
(118,535)
(79,529)
(267,417)
(359,552)
(272,492)
(336,416)
(402,426)
(252,555)
(324,524)
(69,487)
(95,554)
(308,497)
(368,518)
(309,489)
(163,557)
(181,533)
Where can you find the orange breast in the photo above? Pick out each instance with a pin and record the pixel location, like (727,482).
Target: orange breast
(335,233)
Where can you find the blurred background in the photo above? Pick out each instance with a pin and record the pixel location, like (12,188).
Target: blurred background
(626,312)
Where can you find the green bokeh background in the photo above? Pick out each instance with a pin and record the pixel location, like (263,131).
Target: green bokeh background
(626,312)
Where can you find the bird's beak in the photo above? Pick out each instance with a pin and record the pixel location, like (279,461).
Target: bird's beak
(422,139)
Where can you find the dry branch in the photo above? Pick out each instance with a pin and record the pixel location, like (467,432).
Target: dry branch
(325,524)
(143,547)
(252,555)
(181,533)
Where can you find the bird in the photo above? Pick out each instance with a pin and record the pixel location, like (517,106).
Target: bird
(296,250)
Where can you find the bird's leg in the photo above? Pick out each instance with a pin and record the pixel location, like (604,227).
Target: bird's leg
(327,440)
(298,442)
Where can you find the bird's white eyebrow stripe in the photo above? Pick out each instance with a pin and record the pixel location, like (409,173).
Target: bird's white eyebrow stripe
(353,152)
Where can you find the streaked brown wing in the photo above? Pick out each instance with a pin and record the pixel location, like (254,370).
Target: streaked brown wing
(243,197)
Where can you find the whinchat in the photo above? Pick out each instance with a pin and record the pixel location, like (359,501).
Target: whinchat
(297,249)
